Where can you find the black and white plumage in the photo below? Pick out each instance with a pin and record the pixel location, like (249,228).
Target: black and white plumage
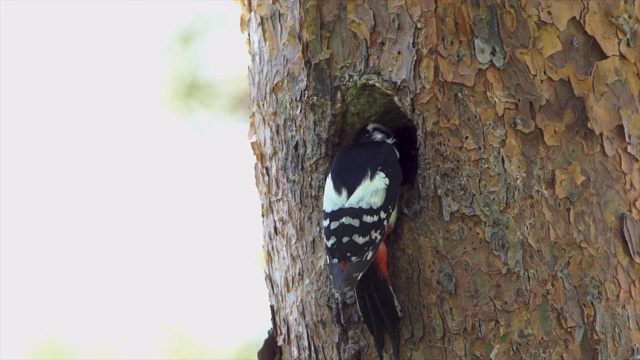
(359,212)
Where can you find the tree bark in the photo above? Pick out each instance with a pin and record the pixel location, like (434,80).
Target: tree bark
(520,235)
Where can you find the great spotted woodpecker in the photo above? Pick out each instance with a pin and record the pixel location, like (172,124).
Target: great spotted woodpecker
(359,212)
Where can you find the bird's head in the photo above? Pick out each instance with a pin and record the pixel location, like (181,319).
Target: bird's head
(373,132)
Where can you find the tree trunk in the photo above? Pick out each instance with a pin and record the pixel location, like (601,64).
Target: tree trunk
(520,235)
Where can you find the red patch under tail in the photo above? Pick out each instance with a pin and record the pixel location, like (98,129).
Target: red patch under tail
(380,260)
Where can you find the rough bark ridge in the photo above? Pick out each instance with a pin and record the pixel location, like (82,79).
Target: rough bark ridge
(521,235)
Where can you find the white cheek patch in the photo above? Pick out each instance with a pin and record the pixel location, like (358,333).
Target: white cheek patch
(332,199)
(370,193)
(379,136)
(380,133)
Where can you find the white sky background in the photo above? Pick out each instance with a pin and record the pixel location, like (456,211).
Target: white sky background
(121,224)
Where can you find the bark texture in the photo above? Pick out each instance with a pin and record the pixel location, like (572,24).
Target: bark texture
(520,237)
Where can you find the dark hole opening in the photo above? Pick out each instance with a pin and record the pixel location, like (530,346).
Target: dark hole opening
(370,104)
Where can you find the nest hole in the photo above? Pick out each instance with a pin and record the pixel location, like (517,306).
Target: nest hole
(367,104)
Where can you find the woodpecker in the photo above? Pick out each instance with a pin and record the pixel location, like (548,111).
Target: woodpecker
(359,212)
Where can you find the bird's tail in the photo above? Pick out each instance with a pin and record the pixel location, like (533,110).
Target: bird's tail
(379,308)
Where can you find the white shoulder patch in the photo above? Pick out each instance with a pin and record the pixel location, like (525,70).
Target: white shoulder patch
(370,193)
(332,199)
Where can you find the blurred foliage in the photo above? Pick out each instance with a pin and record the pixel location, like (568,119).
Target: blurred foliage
(54,349)
(248,350)
(180,345)
(200,76)
(183,346)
